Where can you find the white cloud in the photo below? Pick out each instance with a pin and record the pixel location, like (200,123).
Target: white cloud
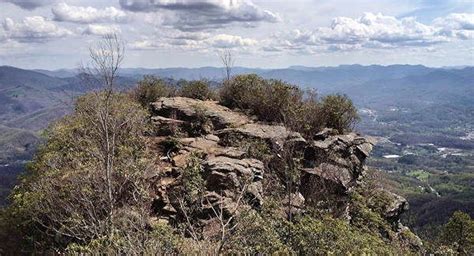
(194,41)
(29,4)
(375,31)
(189,35)
(378,30)
(192,15)
(100,30)
(148,44)
(79,14)
(33,29)
(460,25)
(456,21)
(230,41)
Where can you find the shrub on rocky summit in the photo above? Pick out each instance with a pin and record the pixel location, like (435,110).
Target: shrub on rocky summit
(199,89)
(277,101)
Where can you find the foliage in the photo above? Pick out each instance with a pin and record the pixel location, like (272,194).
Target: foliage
(199,89)
(257,149)
(339,112)
(193,183)
(458,233)
(171,145)
(278,101)
(334,236)
(253,236)
(150,88)
(64,197)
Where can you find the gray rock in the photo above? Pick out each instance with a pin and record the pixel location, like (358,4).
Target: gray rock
(189,109)
(232,176)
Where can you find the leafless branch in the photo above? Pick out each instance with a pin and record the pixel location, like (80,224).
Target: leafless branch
(228,62)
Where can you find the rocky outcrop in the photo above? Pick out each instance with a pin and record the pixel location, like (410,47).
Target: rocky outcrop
(188,109)
(331,165)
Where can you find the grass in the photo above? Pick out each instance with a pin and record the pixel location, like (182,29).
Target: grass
(421,175)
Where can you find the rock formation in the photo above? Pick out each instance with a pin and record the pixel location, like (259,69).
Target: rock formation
(332,165)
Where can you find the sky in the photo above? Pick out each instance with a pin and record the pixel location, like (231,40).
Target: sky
(54,34)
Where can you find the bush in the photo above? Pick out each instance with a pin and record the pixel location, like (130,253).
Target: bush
(201,123)
(150,89)
(281,102)
(254,236)
(199,89)
(269,100)
(458,233)
(243,92)
(193,183)
(335,237)
(64,198)
(339,112)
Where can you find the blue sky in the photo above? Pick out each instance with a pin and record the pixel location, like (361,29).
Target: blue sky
(55,34)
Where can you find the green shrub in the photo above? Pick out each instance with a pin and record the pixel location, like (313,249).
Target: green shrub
(329,236)
(458,233)
(64,197)
(199,89)
(280,102)
(150,89)
(254,235)
(171,145)
(243,92)
(339,112)
(161,240)
(193,183)
(257,149)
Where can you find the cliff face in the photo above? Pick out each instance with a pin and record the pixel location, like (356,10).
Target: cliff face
(242,162)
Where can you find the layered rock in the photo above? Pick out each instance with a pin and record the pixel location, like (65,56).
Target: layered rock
(331,166)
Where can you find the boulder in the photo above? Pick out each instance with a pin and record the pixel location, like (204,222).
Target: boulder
(276,136)
(232,177)
(396,205)
(331,168)
(188,109)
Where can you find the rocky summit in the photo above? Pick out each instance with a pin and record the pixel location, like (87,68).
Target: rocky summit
(236,175)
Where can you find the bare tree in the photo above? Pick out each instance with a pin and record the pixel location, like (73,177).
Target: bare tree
(107,56)
(228,61)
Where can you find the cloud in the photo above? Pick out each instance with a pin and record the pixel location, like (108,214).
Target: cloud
(33,29)
(195,36)
(375,31)
(456,21)
(194,41)
(29,4)
(79,14)
(460,25)
(230,41)
(100,30)
(148,44)
(193,15)
(372,30)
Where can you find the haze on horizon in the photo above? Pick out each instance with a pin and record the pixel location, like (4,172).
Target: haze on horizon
(53,34)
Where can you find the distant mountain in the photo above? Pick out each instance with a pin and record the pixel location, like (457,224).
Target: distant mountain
(23,92)
(59,73)
(31,100)
(14,77)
